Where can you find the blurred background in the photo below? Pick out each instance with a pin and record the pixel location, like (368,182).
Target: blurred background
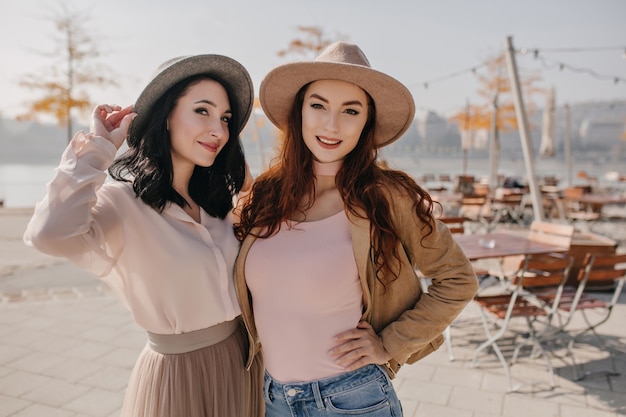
(62,57)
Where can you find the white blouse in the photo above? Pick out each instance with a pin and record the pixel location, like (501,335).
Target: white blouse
(175,275)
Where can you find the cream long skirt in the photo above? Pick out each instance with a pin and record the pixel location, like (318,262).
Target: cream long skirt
(208,382)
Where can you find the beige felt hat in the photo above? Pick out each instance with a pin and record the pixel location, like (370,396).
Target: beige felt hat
(225,69)
(395,108)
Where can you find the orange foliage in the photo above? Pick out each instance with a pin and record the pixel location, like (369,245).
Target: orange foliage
(62,88)
(313,42)
(496,93)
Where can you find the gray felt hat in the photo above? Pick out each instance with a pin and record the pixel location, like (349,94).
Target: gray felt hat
(225,69)
(395,107)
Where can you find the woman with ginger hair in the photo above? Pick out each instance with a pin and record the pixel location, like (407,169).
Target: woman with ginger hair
(330,242)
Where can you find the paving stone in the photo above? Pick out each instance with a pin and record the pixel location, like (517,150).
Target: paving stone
(10,405)
(432,392)
(74,370)
(96,403)
(35,362)
(70,346)
(476,400)
(524,406)
(426,409)
(39,410)
(17,383)
(121,357)
(573,411)
(109,378)
(56,393)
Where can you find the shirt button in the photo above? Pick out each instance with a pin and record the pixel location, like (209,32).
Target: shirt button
(291,392)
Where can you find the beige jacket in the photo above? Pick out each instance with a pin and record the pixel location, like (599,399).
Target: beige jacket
(409,321)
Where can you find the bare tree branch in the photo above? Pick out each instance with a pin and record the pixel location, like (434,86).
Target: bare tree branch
(74,68)
(311,42)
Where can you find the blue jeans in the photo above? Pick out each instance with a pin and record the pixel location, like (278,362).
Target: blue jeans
(365,392)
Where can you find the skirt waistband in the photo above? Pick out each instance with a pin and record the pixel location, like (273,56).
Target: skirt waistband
(173,344)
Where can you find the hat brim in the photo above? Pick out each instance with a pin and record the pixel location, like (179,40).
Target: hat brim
(225,69)
(395,108)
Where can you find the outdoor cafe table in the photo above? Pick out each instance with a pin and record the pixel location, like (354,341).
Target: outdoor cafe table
(597,201)
(501,244)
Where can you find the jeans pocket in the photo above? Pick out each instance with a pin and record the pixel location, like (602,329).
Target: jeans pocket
(267,394)
(369,399)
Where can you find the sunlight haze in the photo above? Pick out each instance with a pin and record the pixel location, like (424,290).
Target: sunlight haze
(434,42)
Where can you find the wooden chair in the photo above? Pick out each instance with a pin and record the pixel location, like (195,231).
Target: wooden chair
(455,224)
(558,234)
(476,208)
(595,311)
(464,184)
(552,233)
(506,206)
(498,310)
(573,210)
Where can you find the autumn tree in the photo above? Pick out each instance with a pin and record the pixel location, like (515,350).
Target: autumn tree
(73,68)
(311,42)
(496,98)
(495,112)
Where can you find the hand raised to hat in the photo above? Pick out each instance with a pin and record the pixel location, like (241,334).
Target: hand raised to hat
(112,122)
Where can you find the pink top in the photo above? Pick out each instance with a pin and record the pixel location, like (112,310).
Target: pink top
(174,274)
(305,289)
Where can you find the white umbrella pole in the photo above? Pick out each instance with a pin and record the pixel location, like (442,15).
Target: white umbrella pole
(465,136)
(520,112)
(568,145)
(494,146)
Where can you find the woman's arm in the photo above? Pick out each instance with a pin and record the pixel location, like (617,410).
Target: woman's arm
(453,284)
(73,220)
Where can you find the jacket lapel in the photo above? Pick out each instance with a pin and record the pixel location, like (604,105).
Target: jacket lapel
(360,232)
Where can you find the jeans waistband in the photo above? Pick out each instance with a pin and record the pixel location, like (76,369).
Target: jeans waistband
(314,390)
(172,344)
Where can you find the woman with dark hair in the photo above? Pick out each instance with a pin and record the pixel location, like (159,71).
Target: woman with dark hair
(160,234)
(331,240)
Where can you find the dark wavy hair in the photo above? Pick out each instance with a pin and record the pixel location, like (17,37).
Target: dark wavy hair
(148,163)
(288,187)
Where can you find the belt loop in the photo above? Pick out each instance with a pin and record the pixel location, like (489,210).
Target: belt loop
(266,388)
(318,395)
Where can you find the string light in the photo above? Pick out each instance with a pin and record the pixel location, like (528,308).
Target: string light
(570,50)
(455,74)
(537,55)
(562,65)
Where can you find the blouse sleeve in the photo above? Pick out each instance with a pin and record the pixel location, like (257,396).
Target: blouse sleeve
(76,219)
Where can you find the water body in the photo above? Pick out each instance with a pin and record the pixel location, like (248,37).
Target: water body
(22,185)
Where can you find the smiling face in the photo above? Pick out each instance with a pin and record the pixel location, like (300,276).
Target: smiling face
(334,114)
(198,125)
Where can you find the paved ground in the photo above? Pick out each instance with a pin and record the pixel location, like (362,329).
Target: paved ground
(67,347)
